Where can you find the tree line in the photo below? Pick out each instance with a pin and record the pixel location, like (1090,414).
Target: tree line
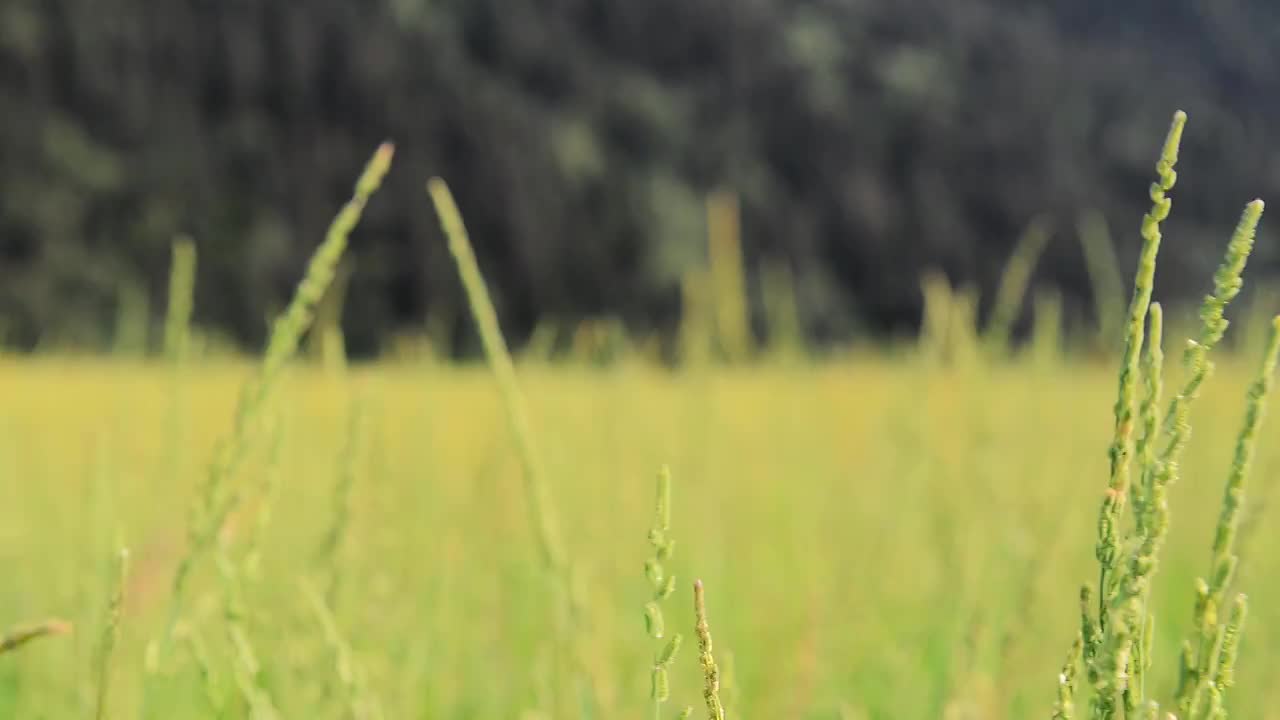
(869,143)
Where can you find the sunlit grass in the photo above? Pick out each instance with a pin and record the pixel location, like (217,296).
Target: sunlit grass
(831,509)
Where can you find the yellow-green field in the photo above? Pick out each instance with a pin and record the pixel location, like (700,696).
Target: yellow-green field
(880,538)
(903,533)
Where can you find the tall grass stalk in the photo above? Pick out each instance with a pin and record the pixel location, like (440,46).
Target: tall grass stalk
(348,465)
(697,319)
(1151,514)
(327,343)
(1257,319)
(1213,643)
(177,351)
(23,634)
(963,340)
(1141,493)
(1046,340)
(663,585)
(1132,643)
(1159,471)
(543,514)
(710,671)
(1213,325)
(1066,708)
(111,634)
(1014,282)
(246,666)
(257,701)
(730,692)
(182,286)
(360,699)
(1106,651)
(133,316)
(213,503)
(935,290)
(1122,444)
(541,346)
(728,275)
(271,478)
(1129,645)
(571,612)
(1117,644)
(1104,275)
(195,644)
(782,310)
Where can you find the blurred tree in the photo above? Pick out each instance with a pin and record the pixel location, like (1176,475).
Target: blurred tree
(868,142)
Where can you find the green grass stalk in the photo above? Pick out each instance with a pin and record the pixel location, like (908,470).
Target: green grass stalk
(177,351)
(1014,283)
(729,690)
(1208,642)
(23,634)
(963,339)
(182,285)
(1065,709)
(348,464)
(110,634)
(1227,283)
(663,585)
(697,319)
(1104,275)
(935,289)
(133,316)
(710,671)
(1153,372)
(1151,513)
(213,503)
(543,515)
(782,311)
(1107,646)
(204,665)
(327,343)
(1224,675)
(246,667)
(571,612)
(271,478)
(361,701)
(1160,471)
(728,275)
(1122,444)
(1046,340)
(1118,646)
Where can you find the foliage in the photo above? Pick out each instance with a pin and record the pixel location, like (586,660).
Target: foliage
(867,142)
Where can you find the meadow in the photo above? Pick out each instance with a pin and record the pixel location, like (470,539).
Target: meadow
(895,532)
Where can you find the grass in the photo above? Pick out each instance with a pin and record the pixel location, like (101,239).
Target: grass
(878,538)
(820,527)
(664,585)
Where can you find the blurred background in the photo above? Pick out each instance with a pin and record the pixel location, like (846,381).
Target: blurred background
(848,149)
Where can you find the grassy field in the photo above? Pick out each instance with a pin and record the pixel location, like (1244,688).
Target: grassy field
(902,533)
(878,539)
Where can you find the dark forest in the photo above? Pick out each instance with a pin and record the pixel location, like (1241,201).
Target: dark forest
(869,142)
